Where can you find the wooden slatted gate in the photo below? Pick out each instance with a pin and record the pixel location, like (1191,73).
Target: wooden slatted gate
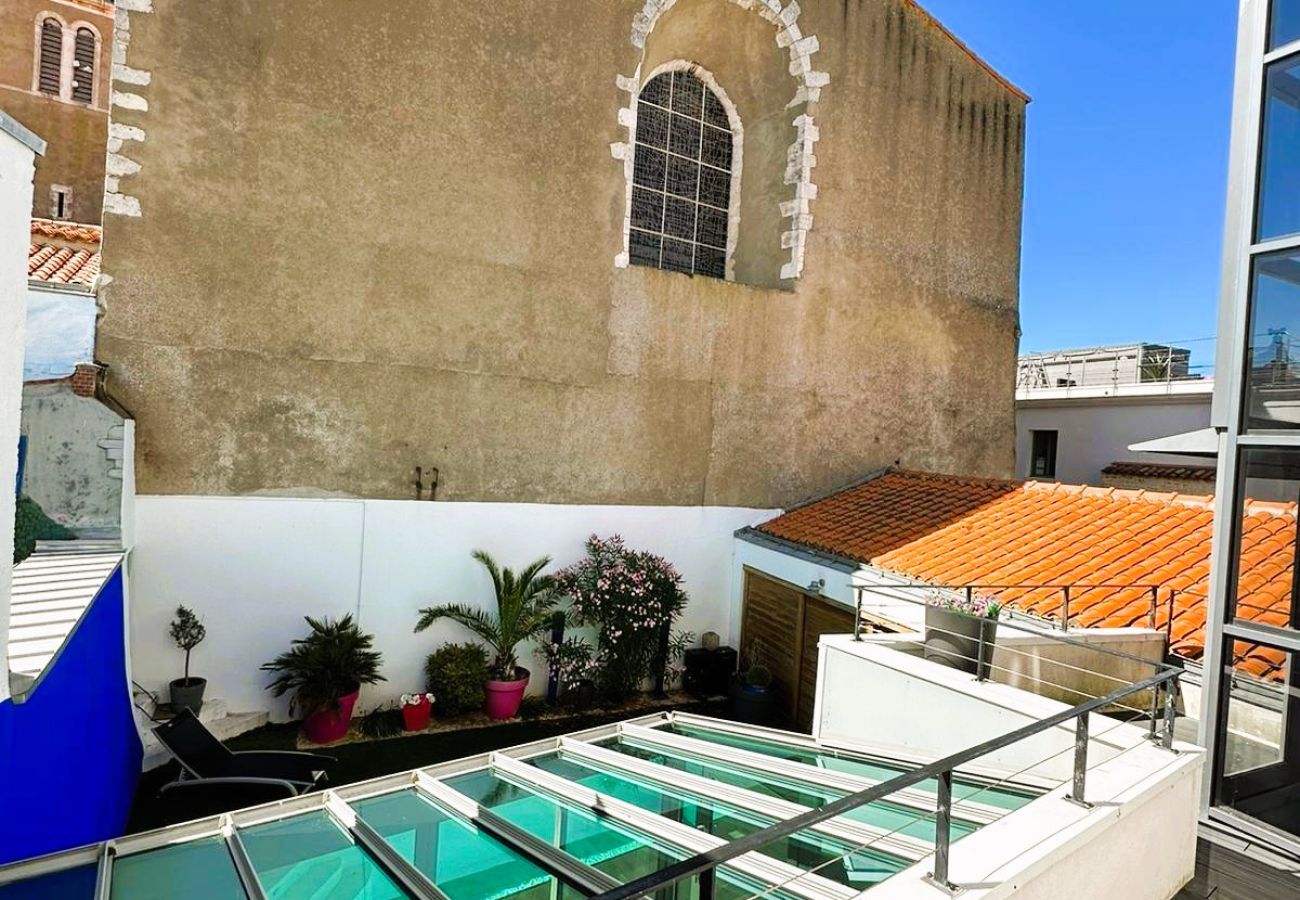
(786,621)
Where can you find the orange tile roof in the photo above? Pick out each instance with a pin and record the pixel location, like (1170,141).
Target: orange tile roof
(1160,470)
(63,253)
(956,531)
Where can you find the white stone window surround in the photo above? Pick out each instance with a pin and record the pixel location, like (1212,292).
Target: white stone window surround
(628,117)
(67,62)
(800,159)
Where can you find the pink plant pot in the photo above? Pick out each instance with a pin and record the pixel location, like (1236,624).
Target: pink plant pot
(501,699)
(328,725)
(416,717)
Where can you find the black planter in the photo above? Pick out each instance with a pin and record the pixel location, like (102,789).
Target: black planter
(581,695)
(953,639)
(188,694)
(752,705)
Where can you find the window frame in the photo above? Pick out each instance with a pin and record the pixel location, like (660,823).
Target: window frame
(737,145)
(67,58)
(1034,435)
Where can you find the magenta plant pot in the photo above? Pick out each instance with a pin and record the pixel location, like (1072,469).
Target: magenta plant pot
(328,725)
(501,699)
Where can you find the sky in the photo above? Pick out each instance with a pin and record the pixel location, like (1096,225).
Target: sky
(1126,161)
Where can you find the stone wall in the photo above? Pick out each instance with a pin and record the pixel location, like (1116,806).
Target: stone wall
(361,238)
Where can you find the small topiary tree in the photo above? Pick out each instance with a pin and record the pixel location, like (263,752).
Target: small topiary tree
(188,632)
(454,674)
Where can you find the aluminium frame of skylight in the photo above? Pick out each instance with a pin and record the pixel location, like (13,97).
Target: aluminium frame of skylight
(510,763)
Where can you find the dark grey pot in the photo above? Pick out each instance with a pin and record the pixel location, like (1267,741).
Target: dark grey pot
(752,705)
(953,639)
(188,694)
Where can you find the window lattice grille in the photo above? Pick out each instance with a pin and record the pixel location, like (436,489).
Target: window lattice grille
(681,177)
(51,49)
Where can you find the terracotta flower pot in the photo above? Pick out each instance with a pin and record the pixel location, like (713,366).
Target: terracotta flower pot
(415,716)
(501,699)
(326,725)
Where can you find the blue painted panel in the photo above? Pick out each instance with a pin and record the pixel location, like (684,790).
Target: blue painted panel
(70,754)
(60,334)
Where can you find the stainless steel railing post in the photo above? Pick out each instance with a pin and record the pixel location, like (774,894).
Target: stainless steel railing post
(943,831)
(1078,786)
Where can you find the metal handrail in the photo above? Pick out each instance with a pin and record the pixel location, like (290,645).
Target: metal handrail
(705,864)
(1058,636)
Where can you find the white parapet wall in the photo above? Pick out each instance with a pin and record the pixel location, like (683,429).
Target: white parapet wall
(1136,839)
(252,567)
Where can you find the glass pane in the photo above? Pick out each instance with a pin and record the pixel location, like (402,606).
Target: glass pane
(462,861)
(1270,487)
(1256,722)
(1285,25)
(619,852)
(310,856)
(852,764)
(881,814)
(808,850)
(1272,379)
(1279,165)
(70,884)
(200,869)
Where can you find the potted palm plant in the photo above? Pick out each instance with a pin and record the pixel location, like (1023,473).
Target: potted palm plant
(188,632)
(324,671)
(525,604)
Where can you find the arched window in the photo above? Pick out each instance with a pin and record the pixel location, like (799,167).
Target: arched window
(50,51)
(681,177)
(83,66)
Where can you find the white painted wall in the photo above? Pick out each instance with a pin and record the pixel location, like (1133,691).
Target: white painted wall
(60,332)
(1137,840)
(1092,433)
(913,704)
(17,167)
(252,567)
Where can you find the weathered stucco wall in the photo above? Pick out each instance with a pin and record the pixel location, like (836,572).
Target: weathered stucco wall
(75,132)
(374,237)
(74,457)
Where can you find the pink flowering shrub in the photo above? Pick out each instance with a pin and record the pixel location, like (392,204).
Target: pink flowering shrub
(631,598)
(975,605)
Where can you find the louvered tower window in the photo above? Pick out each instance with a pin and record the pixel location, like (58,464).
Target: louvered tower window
(83,66)
(681,177)
(51,53)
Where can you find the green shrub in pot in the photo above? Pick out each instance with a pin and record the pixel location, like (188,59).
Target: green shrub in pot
(323,672)
(454,674)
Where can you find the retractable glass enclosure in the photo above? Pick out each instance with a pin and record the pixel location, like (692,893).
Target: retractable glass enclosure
(571,817)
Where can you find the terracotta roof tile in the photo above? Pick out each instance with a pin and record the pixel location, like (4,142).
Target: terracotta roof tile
(63,253)
(951,530)
(1160,470)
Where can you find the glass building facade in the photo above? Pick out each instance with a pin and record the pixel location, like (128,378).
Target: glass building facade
(1250,720)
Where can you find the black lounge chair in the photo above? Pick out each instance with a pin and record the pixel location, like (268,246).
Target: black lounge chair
(215,779)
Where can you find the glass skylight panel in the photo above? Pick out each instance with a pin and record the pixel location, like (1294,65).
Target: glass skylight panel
(807,850)
(460,859)
(198,870)
(852,764)
(622,853)
(311,856)
(881,814)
